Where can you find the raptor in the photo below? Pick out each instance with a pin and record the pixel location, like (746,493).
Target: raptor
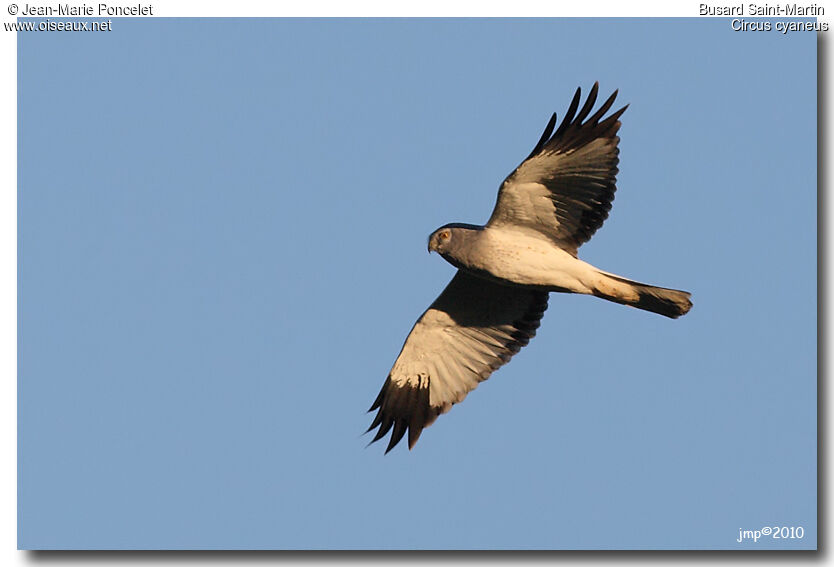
(547,208)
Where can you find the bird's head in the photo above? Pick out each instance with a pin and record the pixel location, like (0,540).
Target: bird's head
(451,239)
(440,239)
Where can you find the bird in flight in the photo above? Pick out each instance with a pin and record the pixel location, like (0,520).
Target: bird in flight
(547,208)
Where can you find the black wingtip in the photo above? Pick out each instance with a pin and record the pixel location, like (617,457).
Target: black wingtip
(612,121)
(567,119)
(548,130)
(577,127)
(589,104)
(399,430)
(377,421)
(378,401)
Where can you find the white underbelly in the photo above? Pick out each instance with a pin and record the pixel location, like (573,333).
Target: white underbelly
(533,260)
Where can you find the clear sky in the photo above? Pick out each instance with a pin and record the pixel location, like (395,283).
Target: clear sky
(223,246)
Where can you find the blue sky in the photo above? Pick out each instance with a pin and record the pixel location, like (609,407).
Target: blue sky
(222,248)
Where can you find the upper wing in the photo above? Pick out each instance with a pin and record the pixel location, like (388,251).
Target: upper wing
(565,187)
(470,330)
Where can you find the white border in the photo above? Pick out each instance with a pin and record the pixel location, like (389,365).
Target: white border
(8,299)
(8,231)
(425,8)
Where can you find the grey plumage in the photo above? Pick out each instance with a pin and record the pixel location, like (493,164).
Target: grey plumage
(551,204)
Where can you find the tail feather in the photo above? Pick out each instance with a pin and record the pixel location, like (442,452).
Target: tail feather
(668,302)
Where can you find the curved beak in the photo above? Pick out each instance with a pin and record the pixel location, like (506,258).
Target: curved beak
(431,246)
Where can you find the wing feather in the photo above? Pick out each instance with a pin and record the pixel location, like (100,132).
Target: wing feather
(565,188)
(471,329)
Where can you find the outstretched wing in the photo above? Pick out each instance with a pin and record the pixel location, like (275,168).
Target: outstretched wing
(470,330)
(565,187)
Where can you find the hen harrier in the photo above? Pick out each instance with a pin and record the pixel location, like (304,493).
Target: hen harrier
(547,208)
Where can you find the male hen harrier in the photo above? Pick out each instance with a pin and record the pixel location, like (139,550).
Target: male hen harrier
(547,208)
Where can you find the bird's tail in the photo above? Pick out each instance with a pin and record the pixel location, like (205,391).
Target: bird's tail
(669,302)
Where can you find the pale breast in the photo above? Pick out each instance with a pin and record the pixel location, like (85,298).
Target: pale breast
(528,258)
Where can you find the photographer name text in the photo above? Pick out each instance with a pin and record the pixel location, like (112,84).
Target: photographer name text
(90,10)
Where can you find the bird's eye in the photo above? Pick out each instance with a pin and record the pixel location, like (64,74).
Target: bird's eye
(445,235)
